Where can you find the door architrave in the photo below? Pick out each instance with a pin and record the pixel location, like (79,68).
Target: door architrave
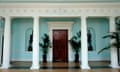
(61,26)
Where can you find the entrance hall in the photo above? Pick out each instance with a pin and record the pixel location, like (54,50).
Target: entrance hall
(34,32)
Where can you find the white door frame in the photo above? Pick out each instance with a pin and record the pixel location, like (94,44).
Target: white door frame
(61,26)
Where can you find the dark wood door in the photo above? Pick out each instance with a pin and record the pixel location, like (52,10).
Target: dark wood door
(60,45)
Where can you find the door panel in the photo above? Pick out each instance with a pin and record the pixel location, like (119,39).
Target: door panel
(60,45)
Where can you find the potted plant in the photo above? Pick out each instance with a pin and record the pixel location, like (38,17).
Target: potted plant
(116,37)
(116,44)
(76,44)
(45,45)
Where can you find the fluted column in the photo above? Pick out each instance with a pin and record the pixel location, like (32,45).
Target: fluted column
(84,46)
(35,57)
(113,51)
(7,43)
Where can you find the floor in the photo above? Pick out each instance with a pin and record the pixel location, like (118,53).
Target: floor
(60,67)
(60,70)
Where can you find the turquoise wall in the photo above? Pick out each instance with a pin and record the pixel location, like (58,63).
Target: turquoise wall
(21,25)
(101,27)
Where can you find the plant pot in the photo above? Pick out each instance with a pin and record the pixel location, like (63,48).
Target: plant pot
(76,57)
(44,58)
(30,48)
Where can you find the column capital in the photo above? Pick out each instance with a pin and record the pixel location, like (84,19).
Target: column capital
(112,23)
(84,17)
(6,16)
(112,16)
(35,16)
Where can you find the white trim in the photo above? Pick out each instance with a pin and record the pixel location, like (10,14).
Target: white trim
(60,25)
(59,9)
(56,5)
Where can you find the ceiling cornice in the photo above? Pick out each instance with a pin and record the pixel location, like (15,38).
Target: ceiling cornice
(61,5)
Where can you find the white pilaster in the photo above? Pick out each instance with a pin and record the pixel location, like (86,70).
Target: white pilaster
(7,43)
(35,58)
(84,47)
(113,51)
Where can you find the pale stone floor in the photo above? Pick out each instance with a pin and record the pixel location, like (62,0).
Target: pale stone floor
(60,67)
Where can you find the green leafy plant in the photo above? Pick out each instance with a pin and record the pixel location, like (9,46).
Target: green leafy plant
(116,44)
(45,45)
(76,45)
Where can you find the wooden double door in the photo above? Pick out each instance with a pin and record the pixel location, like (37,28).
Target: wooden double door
(60,45)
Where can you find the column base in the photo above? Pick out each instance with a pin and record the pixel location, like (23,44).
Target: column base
(34,67)
(5,66)
(114,66)
(85,67)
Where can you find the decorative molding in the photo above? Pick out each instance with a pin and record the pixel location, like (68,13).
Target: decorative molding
(67,9)
(60,25)
(62,5)
(59,1)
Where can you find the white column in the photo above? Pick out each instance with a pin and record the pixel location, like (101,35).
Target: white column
(84,47)
(1,32)
(7,43)
(114,58)
(35,58)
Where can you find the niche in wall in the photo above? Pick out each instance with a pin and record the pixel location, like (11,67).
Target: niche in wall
(28,39)
(91,39)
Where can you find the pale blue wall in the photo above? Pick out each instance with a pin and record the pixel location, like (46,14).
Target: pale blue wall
(101,27)
(20,25)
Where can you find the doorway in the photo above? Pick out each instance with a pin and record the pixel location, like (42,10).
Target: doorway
(60,45)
